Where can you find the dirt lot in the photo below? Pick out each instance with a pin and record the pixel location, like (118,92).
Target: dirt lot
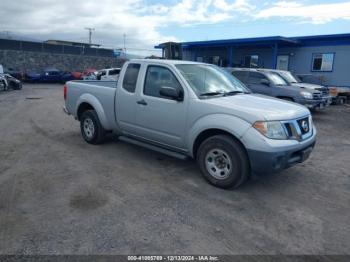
(59,195)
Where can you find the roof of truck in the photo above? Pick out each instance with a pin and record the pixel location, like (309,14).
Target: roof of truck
(255,69)
(164,61)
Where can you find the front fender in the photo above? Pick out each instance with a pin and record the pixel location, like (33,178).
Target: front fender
(95,103)
(228,123)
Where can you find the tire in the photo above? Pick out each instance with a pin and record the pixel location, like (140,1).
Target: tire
(91,128)
(17,87)
(223,162)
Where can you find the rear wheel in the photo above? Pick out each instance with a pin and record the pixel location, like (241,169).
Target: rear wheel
(223,161)
(91,128)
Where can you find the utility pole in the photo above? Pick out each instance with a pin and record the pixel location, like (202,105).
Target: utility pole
(90,29)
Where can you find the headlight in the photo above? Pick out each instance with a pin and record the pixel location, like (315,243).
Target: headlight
(307,95)
(273,129)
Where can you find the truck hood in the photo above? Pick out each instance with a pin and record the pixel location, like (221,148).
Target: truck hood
(307,86)
(255,107)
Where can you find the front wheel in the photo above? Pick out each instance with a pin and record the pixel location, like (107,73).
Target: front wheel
(223,161)
(91,128)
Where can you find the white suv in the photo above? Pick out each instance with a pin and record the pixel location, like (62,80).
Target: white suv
(110,74)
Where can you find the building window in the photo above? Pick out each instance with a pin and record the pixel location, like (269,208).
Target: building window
(322,62)
(251,61)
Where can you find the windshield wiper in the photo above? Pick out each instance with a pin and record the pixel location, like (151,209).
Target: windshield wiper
(212,94)
(231,93)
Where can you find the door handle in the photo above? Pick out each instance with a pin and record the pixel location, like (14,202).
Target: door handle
(142,102)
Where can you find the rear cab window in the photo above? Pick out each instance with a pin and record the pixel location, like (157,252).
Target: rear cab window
(130,77)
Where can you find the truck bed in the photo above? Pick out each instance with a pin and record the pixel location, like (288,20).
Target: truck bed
(101,92)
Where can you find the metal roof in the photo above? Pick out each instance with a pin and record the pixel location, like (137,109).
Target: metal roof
(270,40)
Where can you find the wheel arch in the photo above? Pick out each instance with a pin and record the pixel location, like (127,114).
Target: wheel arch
(205,134)
(84,106)
(214,124)
(89,102)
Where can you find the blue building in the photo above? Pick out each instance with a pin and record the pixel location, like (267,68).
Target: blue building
(323,59)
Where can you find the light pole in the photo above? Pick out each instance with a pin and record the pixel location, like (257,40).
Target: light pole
(90,29)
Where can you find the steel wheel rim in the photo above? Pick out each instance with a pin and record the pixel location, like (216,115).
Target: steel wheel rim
(218,163)
(89,128)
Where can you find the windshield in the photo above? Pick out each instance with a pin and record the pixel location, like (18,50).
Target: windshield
(210,80)
(277,80)
(289,77)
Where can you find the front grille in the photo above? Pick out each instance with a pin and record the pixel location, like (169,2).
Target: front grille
(317,96)
(323,90)
(299,129)
(304,125)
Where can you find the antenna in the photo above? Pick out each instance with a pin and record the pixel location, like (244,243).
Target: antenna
(90,29)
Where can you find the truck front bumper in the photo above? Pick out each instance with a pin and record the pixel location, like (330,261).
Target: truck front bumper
(313,104)
(273,160)
(316,103)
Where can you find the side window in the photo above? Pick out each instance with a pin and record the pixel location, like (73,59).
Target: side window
(255,78)
(103,73)
(130,77)
(241,75)
(114,72)
(158,77)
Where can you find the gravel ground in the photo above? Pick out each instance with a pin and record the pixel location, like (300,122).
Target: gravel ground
(59,195)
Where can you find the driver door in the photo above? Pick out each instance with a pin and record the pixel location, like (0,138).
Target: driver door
(255,83)
(161,119)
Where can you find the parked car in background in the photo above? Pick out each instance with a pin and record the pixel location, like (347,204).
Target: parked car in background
(110,74)
(77,75)
(15,72)
(10,82)
(32,76)
(3,82)
(293,80)
(48,75)
(187,109)
(66,76)
(51,75)
(90,74)
(268,83)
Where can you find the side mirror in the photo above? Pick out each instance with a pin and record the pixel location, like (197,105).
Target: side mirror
(265,82)
(171,93)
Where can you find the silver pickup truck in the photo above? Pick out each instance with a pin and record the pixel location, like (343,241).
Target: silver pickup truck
(186,109)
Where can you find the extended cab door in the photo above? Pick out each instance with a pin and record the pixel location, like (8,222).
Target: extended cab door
(161,119)
(126,98)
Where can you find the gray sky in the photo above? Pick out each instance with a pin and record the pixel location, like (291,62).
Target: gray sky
(150,22)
